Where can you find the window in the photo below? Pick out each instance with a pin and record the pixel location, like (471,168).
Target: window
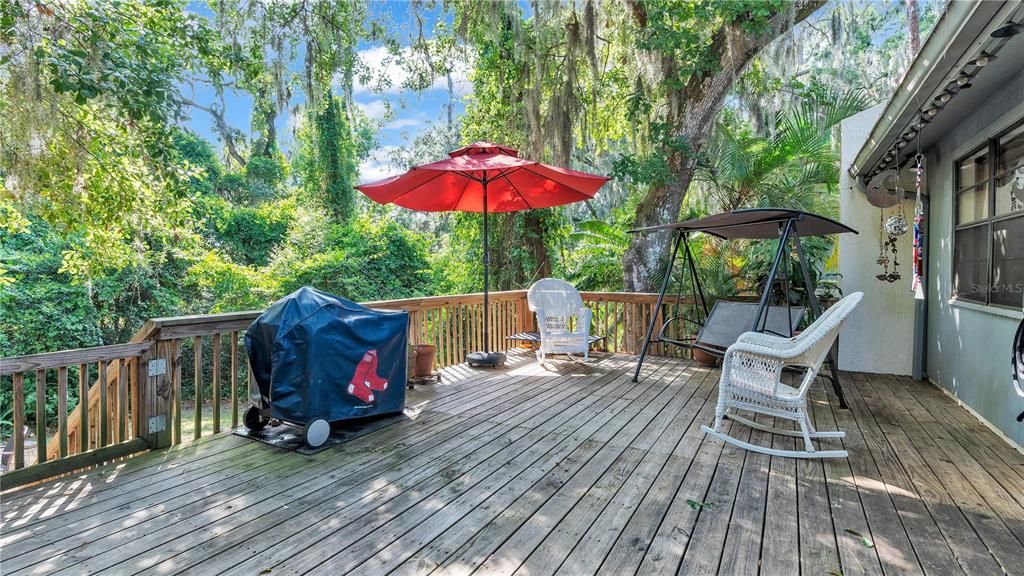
(988,241)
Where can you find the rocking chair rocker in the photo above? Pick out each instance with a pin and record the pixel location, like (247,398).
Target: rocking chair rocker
(751,381)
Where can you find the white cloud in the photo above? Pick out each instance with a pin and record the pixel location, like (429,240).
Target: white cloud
(402,123)
(377,165)
(382,64)
(374,109)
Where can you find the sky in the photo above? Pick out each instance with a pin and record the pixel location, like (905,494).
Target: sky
(401,114)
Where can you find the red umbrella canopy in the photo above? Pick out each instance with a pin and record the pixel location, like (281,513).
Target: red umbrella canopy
(460,182)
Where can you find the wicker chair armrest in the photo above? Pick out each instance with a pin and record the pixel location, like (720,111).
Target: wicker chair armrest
(541,325)
(583,319)
(783,355)
(767,340)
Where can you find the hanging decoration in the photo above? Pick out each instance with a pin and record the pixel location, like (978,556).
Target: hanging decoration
(896,225)
(887,246)
(891,228)
(917,284)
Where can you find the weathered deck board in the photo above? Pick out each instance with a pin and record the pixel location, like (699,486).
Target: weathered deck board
(564,469)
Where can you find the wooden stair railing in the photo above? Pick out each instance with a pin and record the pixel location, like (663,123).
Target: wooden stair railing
(70,427)
(108,431)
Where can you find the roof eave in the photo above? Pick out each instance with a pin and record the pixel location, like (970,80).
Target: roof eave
(961,19)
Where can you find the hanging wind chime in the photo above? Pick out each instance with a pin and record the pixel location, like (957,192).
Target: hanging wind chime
(917,284)
(889,230)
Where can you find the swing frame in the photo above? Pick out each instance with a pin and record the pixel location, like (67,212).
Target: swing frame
(751,224)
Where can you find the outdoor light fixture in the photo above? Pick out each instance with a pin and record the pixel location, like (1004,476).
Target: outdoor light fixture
(944,97)
(963,80)
(902,144)
(1007,30)
(911,133)
(931,112)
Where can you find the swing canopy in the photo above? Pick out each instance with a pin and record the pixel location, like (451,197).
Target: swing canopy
(756,224)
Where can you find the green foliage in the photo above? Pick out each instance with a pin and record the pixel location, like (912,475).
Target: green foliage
(820,254)
(196,152)
(220,285)
(599,250)
(89,94)
(367,260)
(686,29)
(248,234)
(264,176)
(234,187)
(794,167)
(42,310)
(328,158)
(595,261)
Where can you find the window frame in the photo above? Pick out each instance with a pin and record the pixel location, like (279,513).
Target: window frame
(988,222)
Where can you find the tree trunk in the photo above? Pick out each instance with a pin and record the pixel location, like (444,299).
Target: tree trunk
(691,110)
(534,225)
(914,26)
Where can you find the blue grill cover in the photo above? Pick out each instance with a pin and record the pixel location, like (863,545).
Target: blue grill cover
(315,355)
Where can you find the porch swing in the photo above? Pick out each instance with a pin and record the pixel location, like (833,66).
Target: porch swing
(721,326)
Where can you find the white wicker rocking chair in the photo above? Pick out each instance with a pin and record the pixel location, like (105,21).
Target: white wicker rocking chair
(562,319)
(751,381)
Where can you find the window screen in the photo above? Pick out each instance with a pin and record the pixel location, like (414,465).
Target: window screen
(1008,262)
(970,264)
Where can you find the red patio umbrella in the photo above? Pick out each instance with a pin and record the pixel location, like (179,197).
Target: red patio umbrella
(484,177)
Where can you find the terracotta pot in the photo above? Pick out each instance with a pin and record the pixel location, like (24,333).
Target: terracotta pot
(425,354)
(705,358)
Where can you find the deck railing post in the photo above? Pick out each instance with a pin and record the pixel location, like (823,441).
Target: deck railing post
(154,390)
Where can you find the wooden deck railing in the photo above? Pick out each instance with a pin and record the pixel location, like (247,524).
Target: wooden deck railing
(135,390)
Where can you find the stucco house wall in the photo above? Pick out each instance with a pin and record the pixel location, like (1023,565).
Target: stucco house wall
(879,336)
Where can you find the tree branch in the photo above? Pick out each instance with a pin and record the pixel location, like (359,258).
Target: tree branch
(222,128)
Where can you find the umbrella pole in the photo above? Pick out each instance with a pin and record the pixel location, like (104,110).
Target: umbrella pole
(487,261)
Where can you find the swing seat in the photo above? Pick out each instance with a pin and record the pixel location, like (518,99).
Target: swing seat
(729,320)
(751,382)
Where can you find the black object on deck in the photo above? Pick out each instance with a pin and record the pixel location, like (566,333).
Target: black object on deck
(316,356)
(1017,364)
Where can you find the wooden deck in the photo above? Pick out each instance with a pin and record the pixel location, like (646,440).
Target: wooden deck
(570,470)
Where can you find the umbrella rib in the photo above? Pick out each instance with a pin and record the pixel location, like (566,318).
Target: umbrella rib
(573,188)
(505,176)
(466,187)
(413,189)
(467,175)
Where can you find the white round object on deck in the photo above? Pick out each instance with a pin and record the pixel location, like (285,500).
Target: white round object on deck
(316,433)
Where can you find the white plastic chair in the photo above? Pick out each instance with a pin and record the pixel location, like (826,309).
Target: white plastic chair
(562,319)
(751,381)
